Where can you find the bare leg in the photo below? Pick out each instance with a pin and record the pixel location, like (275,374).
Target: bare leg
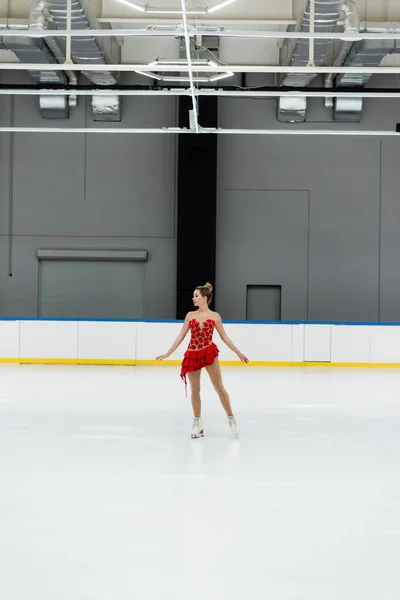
(214,372)
(194,380)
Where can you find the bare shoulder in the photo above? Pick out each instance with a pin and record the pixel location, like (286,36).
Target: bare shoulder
(189,315)
(216,316)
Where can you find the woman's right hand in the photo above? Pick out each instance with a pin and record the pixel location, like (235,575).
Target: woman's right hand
(162,357)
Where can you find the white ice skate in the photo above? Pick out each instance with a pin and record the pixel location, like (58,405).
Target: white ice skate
(233,426)
(197,430)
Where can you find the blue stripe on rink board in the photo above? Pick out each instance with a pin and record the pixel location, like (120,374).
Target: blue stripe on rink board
(355,323)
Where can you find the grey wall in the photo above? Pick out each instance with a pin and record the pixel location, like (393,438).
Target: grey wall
(318,215)
(94,191)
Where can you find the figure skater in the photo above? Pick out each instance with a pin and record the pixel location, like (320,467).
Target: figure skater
(202,352)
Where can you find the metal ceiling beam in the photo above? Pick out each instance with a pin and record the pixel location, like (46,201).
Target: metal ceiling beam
(205,131)
(203,30)
(265,23)
(200,69)
(257,94)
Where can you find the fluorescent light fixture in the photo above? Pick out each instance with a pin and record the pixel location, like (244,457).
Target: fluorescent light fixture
(175,11)
(151,75)
(179,62)
(163,28)
(220,76)
(208,29)
(132,5)
(220,5)
(186,79)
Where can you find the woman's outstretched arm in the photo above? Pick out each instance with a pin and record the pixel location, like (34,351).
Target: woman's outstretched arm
(178,340)
(220,328)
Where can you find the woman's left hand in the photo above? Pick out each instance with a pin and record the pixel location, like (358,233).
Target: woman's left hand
(242,357)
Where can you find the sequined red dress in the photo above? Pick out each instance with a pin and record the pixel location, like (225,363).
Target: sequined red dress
(201,351)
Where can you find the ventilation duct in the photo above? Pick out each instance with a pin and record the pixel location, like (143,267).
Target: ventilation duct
(327,13)
(106,108)
(86,50)
(50,106)
(351,26)
(365,53)
(35,51)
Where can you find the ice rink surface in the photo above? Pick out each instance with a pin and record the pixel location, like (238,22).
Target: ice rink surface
(104,496)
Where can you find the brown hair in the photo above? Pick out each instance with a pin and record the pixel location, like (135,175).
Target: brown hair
(206,291)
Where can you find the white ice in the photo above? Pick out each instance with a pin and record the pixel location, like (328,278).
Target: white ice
(104,496)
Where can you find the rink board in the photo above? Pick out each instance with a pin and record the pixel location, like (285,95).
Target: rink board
(139,342)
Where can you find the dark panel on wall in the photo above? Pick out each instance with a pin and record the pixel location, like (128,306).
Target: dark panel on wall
(197,191)
(263,302)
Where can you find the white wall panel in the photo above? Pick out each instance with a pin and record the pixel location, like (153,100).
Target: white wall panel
(154,339)
(385,344)
(9,339)
(49,339)
(350,343)
(317,343)
(297,343)
(258,342)
(107,340)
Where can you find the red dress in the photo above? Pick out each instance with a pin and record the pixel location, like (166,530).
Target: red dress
(201,351)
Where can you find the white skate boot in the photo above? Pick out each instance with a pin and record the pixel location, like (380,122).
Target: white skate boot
(197,430)
(233,425)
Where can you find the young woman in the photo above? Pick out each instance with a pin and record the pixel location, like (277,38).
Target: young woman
(202,352)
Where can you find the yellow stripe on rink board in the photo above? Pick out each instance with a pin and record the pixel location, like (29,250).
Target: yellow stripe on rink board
(67,361)
(9,360)
(175,363)
(161,363)
(95,361)
(237,363)
(46,361)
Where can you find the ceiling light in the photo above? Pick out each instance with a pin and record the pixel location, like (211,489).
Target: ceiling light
(216,7)
(151,75)
(179,61)
(196,62)
(207,29)
(220,76)
(133,5)
(175,11)
(186,79)
(163,28)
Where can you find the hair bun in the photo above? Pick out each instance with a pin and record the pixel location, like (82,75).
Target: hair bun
(208,286)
